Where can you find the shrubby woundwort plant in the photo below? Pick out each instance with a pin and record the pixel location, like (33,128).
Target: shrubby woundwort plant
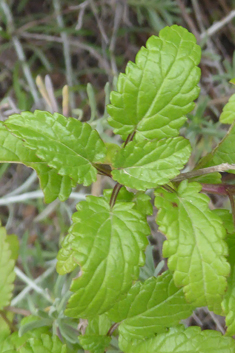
(108,237)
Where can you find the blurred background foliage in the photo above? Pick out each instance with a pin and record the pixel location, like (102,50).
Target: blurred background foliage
(48,45)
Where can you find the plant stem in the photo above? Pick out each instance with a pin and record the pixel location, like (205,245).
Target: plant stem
(113,328)
(218,189)
(195,173)
(222,189)
(129,138)
(118,186)
(102,170)
(114,195)
(231,199)
(18,311)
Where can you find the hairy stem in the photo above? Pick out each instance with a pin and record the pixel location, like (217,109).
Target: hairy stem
(195,173)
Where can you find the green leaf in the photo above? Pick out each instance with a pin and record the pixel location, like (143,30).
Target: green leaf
(195,245)
(44,344)
(228,114)
(13,150)
(151,307)
(147,164)
(4,330)
(159,88)
(228,304)
(108,244)
(95,339)
(111,149)
(14,245)
(14,342)
(212,178)
(141,200)
(180,340)
(99,325)
(229,299)
(95,343)
(65,144)
(227,219)
(224,152)
(7,274)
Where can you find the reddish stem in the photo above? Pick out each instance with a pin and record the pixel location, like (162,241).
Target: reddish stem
(218,189)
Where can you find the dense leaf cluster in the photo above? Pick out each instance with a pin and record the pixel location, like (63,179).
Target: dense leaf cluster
(108,238)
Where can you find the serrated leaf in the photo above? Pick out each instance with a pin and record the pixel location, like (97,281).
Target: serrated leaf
(151,307)
(45,344)
(4,330)
(180,340)
(224,152)
(7,274)
(99,325)
(228,304)
(141,200)
(13,150)
(228,114)
(94,343)
(159,88)
(212,178)
(14,245)
(65,144)
(108,244)
(14,342)
(147,164)
(229,299)
(95,339)
(226,218)
(111,149)
(195,245)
